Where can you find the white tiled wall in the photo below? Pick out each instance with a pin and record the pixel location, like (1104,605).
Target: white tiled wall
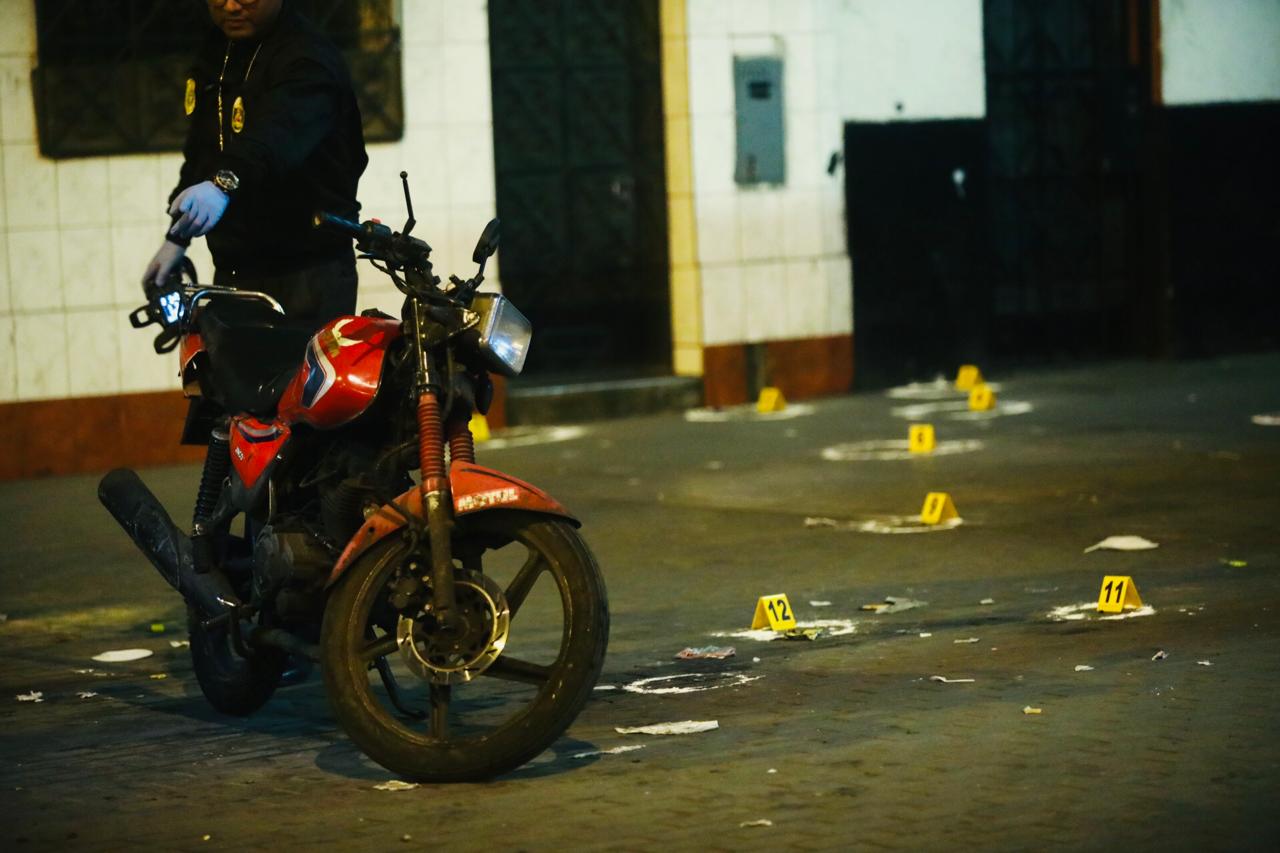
(774,261)
(75,235)
(1220,50)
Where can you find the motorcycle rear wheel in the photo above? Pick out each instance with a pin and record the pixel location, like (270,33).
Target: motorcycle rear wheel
(233,685)
(492,723)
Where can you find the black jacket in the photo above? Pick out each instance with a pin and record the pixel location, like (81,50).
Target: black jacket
(299,149)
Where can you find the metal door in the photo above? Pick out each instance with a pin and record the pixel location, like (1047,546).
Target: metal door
(581,188)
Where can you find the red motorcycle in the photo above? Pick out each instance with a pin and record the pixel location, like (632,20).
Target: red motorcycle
(459,619)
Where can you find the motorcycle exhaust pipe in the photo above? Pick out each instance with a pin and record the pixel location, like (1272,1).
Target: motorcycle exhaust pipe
(139,512)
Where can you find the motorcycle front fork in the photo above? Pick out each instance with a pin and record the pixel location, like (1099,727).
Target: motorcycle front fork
(437,501)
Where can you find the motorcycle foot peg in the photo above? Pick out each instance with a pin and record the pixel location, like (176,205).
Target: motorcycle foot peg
(202,558)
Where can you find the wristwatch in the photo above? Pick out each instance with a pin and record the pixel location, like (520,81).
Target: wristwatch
(226,180)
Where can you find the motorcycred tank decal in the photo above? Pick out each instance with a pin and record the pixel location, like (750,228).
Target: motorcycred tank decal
(341,372)
(254,445)
(474,489)
(319,376)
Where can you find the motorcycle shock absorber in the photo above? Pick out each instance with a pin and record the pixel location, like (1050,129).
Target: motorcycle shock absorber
(217,464)
(462,445)
(436,502)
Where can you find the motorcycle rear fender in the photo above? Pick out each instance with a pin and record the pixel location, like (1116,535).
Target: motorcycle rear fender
(474,488)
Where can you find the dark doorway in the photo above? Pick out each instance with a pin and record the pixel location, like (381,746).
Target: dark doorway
(581,188)
(1038,254)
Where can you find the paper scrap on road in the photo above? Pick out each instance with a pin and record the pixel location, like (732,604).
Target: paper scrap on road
(617,750)
(987,601)
(892,604)
(1081,667)
(1029,710)
(33,696)
(1160,655)
(802,634)
(819,603)
(684,727)
(1271,419)
(746,824)
(1123,543)
(395,785)
(122,655)
(944,680)
(86,694)
(885,524)
(966,640)
(159,676)
(924,635)
(177,644)
(606,687)
(706,653)
(1204,663)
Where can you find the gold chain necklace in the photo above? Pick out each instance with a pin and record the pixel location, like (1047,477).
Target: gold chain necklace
(223,74)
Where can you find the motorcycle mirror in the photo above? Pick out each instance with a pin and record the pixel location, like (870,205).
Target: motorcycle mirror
(487,244)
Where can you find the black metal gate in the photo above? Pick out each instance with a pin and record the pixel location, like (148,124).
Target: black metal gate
(581,187)
(1017,239)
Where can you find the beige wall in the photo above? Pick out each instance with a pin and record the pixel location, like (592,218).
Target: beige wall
(76,234)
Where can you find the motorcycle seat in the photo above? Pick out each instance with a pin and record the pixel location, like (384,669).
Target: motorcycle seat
(253,353)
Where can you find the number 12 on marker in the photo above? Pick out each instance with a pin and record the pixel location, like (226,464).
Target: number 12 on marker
(773,611)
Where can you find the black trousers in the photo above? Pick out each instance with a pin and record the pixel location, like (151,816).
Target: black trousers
(311,296)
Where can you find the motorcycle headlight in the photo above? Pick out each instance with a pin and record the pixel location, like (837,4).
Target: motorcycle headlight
(503,333)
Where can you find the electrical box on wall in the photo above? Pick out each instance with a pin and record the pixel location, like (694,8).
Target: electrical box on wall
(757,83)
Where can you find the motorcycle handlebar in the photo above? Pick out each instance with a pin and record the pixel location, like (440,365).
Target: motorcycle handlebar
(337,223)
(378,241)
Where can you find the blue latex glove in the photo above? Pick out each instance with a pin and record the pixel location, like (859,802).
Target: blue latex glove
(200,206)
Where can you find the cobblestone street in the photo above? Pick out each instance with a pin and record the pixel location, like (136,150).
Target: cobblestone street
(845,742)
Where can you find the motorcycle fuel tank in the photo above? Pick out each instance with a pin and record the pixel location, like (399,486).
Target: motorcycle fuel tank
(340,374)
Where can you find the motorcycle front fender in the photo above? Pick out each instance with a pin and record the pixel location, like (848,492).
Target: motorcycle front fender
(474,489)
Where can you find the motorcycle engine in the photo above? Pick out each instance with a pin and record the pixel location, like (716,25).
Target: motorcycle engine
(290,568)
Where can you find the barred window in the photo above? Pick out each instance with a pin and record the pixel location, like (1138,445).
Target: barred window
(108,78)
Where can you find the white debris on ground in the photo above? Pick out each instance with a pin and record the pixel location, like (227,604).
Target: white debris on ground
(1271,419)
(819,603)
(1204,663)
(33,696)
(1032,711)
(706,681)
(939,389)
(747,824)
(706,653)
(395,785)
(1081,667)
(890,450)
(942,679)
(987,601)
(122,655)
(885,524)
(924,635)
(958,410)
(830,627)
(1160,655)
(86,694)
(1123,543)
(1086,610)
(966,640)
(617,750)
(526,436)
(606,687)
(746,412)
(178,644)
(683,727)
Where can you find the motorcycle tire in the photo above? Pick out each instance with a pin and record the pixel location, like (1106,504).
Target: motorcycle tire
(233,684)
(412,746)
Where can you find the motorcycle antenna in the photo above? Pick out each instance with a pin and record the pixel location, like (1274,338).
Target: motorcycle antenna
(408,202)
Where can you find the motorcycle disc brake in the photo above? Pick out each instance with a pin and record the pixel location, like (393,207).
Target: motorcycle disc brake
(475,640)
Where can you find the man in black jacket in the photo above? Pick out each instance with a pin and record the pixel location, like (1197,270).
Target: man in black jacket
(274,135)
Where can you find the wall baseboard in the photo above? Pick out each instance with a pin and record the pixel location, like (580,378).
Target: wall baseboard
(802,368)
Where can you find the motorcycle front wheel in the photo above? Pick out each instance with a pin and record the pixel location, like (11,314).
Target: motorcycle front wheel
(481,700)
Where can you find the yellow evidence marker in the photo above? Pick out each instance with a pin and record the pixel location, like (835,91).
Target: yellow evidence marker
(479,427)
(920,438)
(773,611)
(770,400)
(938,507)
(967,377)
(982,398)
(1117,593)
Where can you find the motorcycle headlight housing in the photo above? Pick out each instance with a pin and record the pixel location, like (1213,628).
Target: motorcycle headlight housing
(503,333)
